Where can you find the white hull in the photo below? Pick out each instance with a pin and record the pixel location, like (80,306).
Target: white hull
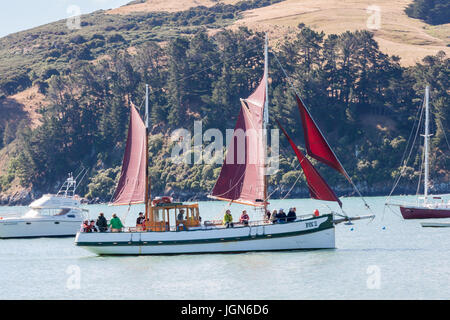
(435,224)
(315,233)
(49,216)
(32,228)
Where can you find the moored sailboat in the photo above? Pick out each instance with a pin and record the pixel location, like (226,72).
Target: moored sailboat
(176,228)
(431,207)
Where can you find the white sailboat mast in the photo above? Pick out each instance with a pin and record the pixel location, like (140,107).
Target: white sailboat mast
(426,145)
(266,117)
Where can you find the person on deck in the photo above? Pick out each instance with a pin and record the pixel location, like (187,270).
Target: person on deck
(244,218)
(180,216)
(291,216)
(115,224)
(102,224)
(85,226)
(273,217)
(140,221)
(267,215)
(92,227)
(180,219)
(281,216)
(228,219)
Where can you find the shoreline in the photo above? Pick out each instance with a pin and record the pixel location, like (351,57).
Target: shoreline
(25,197)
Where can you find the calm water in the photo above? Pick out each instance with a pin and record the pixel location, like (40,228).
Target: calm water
(388,258)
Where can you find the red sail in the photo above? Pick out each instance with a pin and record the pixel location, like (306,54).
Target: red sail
(241,179)
(131,186)
(318,188)
(316,145)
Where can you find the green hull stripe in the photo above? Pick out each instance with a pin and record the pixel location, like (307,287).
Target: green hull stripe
(327,224)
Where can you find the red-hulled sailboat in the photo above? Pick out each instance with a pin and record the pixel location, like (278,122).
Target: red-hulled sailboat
(431,207)
(243,179)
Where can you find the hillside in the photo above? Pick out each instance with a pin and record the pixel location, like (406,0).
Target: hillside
(65,94)
(398,34)
(165,5)
(33,56)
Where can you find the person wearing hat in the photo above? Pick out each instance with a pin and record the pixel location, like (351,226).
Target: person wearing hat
(115,224)
(140,221)
(102,224)
(281,216)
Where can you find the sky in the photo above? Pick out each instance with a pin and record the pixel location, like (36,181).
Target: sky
(19,15)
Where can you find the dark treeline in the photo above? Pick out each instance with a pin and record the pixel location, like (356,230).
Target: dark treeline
(431,11)
(55,48)
(363,100)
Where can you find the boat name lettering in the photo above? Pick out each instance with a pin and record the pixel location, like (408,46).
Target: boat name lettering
(311,224)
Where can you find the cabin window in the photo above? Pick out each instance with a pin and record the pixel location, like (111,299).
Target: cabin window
(62,212)
(157,215)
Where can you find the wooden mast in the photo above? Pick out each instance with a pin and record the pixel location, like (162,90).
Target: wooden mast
(148,209)
(266,118)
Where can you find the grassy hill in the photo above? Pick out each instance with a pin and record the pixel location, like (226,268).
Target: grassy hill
(410,39)
(34,60)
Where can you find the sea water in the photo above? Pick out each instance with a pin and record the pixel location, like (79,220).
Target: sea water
(387,258)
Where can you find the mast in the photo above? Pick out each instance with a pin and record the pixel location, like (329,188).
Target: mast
(426,145)
(148,213)
(266,117)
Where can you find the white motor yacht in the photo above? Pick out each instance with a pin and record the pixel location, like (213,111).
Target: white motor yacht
(51,215)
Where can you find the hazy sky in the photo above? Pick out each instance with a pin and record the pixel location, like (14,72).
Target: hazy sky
(18,15)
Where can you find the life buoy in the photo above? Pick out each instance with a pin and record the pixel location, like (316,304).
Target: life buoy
(164,199)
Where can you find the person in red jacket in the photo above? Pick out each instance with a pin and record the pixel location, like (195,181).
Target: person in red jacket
(244,218)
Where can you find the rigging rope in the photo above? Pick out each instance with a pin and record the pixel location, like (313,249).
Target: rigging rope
(295,90)
(287,194)
(443,130)
(420,174)
(421,110)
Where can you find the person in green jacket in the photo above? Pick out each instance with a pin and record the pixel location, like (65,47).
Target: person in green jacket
(228,219)
(115,224)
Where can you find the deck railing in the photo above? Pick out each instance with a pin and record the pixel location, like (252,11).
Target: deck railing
(210,223)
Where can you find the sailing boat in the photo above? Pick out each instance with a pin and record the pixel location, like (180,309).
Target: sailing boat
(242,180)
(427,209)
